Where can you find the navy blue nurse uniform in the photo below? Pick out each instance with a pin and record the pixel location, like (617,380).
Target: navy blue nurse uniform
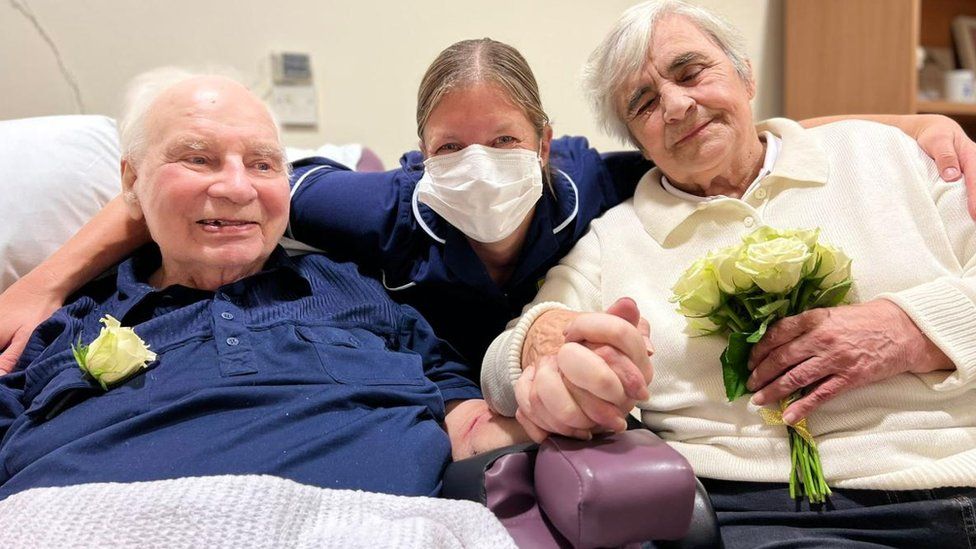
(376,220)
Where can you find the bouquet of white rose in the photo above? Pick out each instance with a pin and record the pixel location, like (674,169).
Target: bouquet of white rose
(741,290)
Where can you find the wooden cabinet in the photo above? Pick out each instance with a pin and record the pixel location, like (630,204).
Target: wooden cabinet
(859,56)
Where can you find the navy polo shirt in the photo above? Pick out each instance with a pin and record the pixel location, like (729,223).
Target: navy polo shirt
(376,220)
(306,370)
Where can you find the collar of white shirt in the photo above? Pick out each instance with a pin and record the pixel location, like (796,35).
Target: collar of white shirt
(794,159)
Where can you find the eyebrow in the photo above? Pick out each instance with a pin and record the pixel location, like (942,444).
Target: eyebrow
(187,144)
(266,149)
(261,148)
(674,66)
(684,59)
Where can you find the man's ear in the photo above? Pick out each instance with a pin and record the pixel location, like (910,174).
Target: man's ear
(129,197)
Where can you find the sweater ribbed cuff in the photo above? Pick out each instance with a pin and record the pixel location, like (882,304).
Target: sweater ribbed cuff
(946,316)
(503,361)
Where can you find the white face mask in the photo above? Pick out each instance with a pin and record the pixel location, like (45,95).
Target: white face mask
(485,192)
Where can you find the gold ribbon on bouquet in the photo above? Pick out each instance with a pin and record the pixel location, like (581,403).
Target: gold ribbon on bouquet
(775,417)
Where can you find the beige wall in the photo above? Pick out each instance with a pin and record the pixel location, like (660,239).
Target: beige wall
(367,55)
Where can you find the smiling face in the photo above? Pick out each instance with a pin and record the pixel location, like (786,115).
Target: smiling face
(689,108)
(212,184)
(481,113)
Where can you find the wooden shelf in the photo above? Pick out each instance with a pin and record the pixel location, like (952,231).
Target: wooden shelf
(946,108)
(859,56)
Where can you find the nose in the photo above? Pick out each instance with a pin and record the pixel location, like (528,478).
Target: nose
(677,104)
(233,183)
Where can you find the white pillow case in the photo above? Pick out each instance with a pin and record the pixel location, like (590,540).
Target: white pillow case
(58,172)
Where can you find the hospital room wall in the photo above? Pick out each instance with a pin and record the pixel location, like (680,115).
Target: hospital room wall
(367,55)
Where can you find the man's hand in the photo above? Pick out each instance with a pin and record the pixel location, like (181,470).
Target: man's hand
(832,350)
(583,372)
(941,137)
(473,428)
(954,152)
(23,306)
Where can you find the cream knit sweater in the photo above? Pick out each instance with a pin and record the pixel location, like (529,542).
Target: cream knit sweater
(878,197)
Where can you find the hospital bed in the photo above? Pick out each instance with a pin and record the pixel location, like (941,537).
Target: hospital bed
(613,491)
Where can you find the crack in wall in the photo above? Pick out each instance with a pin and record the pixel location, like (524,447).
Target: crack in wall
(69,78)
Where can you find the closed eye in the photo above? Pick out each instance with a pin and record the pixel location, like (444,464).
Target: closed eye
(646,107)
(690,74)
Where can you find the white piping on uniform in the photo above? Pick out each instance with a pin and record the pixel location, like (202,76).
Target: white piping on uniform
(420,220)
(572,216)
(398,288)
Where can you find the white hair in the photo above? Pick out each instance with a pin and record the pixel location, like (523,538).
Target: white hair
(143,90)
(624,51)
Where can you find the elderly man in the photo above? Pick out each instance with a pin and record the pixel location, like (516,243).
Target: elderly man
(257,363)
(888,380)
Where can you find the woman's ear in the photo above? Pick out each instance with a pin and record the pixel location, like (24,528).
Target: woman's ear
(546,145)
(129,197)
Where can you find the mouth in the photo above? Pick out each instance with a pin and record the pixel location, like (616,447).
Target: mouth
(215,225)
(691,135)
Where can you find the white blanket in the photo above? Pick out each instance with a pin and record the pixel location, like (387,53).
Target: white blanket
(239,511)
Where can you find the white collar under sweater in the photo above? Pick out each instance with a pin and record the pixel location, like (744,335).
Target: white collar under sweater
(800,161)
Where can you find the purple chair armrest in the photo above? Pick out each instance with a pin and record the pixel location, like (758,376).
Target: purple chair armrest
(623,488)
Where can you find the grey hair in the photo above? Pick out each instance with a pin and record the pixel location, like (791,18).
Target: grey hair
(624,51)
(143,90)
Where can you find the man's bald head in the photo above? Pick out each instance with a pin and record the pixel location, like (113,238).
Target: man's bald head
(168,91)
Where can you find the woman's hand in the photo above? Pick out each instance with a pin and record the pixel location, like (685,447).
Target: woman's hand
(832,350)
(24,305)
(586,378)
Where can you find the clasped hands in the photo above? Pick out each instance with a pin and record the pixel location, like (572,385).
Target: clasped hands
(583,372)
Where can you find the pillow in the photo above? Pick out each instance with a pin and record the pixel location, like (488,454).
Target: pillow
(60,171)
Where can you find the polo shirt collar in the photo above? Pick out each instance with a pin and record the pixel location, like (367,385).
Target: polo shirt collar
(132,279)
(800,162)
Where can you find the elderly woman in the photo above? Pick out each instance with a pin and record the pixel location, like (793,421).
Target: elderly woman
(463,231)
(890,376)
(257,363)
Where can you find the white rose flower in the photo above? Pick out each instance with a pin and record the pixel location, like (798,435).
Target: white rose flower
(835,266)
(114,355)
(775,265)
(730,278)
(696,292)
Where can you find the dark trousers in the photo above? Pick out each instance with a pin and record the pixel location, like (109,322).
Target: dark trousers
(762,515)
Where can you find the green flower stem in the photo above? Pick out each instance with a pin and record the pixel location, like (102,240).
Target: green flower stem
(740,325)
(794,293)
(807,477)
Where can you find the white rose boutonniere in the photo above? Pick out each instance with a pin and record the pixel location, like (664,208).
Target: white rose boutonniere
(116,354)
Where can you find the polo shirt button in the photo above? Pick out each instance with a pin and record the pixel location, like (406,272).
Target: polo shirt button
(232,341)
(226,316)
(761,193)
(749,221)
